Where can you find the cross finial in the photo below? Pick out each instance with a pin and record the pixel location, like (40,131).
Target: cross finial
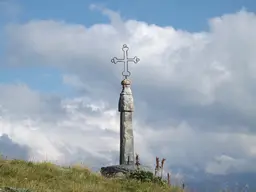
(126,73)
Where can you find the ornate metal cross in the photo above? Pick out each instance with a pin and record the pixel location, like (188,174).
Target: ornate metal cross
(126,73)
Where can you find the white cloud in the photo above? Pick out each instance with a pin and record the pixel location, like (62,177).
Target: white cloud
(194,92)
(80,128)
(22,102)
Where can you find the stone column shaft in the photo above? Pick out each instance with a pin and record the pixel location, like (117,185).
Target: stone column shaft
(126,108)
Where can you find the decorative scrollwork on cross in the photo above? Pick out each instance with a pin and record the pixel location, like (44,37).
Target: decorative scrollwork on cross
(126,73)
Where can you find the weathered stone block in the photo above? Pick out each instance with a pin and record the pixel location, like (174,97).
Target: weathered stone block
(121,170)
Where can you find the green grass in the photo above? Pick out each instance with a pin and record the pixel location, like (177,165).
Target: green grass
(47,177)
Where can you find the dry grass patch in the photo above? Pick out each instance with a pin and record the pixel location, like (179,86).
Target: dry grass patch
(47,177)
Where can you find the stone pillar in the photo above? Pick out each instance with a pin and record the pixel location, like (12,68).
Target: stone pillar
(127,159)
(126,108)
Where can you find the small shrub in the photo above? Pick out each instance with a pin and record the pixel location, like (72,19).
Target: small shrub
(146,176)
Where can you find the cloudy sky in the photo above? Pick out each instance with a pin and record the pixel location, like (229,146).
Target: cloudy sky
(194,87)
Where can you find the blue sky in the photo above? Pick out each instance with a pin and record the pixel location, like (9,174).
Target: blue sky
(183,14)
(187,15)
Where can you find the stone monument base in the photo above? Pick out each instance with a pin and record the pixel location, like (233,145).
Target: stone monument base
(120,171)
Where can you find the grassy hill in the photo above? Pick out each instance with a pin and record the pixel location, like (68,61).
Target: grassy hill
(47,177)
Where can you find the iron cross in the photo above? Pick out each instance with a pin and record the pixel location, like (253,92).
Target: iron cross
(126,73)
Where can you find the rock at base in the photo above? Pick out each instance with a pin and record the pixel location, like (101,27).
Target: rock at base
(120,171)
